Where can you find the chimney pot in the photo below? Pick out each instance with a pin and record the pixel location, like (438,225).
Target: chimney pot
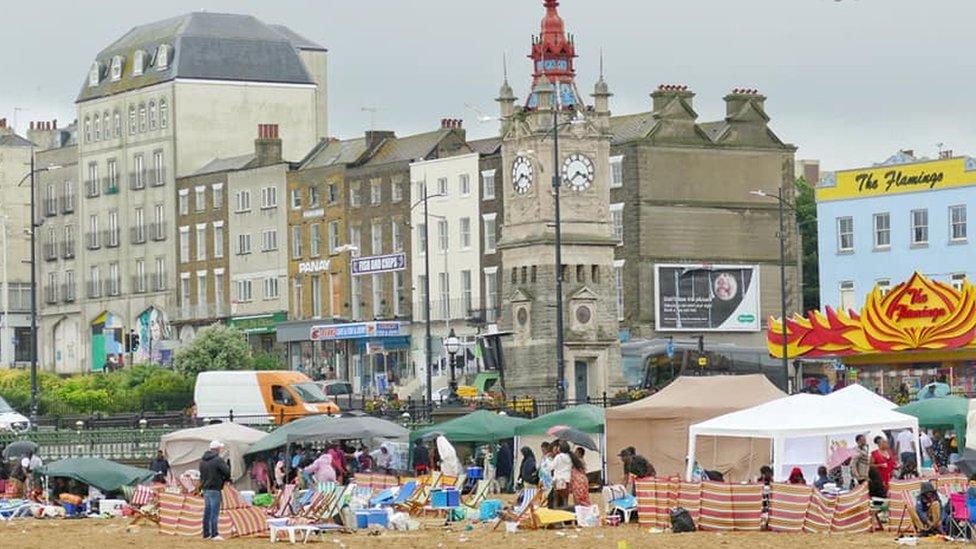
(55,122)
(32,125)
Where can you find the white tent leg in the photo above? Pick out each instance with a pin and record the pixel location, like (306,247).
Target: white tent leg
(690,466)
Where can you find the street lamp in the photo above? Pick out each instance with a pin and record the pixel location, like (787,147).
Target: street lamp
(782,274)
(452,344)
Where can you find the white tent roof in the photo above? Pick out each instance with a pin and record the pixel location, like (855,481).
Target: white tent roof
(861,396)
(803,415)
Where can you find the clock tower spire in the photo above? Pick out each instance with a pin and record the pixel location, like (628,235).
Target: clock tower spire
(555,141)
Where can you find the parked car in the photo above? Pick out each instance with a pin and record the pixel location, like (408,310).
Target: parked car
(256,396)
(10,420)
(335,388)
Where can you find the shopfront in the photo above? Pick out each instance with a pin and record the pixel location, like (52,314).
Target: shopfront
(921,331)
(261,329)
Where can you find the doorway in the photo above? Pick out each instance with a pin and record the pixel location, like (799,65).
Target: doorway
(580,372)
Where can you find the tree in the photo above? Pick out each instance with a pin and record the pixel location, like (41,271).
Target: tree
(806,219)
(216,347)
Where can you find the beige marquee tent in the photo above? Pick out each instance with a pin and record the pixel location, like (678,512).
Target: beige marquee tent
(657,426)
(183,449)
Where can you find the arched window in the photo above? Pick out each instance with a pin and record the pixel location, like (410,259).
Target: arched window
(163,114)
(138,62)
(152,115)
(142,118)
(98,127)
(87,130)
(132,119)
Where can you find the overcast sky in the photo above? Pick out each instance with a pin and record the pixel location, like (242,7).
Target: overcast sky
(848,82)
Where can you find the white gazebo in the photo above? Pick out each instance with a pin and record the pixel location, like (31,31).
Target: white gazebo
(801,428)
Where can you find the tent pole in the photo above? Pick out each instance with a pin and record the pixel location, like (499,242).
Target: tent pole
(690,466)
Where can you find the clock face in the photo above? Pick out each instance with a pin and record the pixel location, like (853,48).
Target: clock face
(578,172)
(521,174)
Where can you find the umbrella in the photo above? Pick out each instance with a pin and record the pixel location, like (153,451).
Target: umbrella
(570,434)
(967,462)
(839,456)
(107,476)
(19,448)
(933,390)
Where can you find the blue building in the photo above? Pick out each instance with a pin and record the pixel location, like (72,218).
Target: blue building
(878,225)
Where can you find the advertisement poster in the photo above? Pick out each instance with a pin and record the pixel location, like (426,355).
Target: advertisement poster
(707,298)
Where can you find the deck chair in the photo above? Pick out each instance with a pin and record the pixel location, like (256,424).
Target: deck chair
(617,500)
(404,494)
(959,524)
(525,510)
(914,526)
(281,506)
(477,495)
(421,496)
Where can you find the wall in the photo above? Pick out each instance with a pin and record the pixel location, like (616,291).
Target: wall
(217,119)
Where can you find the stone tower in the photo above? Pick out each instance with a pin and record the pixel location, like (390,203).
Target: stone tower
(528,272)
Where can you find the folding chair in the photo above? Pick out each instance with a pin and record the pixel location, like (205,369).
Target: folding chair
(281,506)
(477,495)
(959,516)
(914,526)
(530,495)
(617,500)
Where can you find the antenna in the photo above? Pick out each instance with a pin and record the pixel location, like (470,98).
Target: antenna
(505,66)
(372,115)
(601,63)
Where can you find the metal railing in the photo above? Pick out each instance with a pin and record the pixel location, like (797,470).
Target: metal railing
(68,203)
(51,251)
(137,180)
(68,292)
(114,444)
(68,249)
(137,234)
(157,231)
(111,238)
(50,207)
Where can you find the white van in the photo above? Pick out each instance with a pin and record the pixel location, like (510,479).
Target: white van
(256,397)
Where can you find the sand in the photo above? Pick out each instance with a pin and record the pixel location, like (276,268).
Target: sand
(109,534)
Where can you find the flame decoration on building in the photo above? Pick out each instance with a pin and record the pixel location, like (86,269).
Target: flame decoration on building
(918,314)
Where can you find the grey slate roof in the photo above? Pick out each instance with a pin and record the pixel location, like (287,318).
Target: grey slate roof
(225,164)
(333,151)
(408,148)
(487,146)
(213,46)
(14,140)
(629,127)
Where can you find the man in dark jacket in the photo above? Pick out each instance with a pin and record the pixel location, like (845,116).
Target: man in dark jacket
(159,466)
(504,464)
(214,473)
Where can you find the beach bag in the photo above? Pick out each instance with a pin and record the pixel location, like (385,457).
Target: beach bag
(587,516)
(681,521)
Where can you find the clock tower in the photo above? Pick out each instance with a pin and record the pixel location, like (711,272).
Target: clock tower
(554,138)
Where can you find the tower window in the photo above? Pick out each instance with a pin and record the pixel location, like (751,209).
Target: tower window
(138,62)
(116,68)
(162,57)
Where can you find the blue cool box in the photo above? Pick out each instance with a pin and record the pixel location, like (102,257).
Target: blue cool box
(448,497)
(372,517)
(476,473)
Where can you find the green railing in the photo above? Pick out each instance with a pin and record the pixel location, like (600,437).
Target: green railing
(114,444)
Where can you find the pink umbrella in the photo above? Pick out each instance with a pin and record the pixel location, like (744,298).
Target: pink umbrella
(839,456)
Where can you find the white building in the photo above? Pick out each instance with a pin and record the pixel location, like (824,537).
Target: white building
(156,104)
(453,190)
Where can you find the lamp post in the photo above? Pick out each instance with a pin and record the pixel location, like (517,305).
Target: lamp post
(556,185)
(782,275)
(452,344)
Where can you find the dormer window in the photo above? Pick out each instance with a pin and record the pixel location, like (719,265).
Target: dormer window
(116,68)
(138,62)
(162,57)
(93,74)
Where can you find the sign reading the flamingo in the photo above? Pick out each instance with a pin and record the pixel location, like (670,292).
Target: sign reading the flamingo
(378,264)
(918,314)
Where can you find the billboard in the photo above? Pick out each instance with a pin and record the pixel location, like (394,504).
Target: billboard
(706,298)
(378,264)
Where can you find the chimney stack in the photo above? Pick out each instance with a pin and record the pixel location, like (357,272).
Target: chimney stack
(666,93)
(267,147)
(451,123)
(375,137)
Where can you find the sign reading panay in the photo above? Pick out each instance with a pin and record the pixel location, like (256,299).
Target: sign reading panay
(918,314)
(900,178)
(311,267)
(699,297)
(378,264)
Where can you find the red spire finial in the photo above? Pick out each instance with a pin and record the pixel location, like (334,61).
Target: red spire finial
(552,55)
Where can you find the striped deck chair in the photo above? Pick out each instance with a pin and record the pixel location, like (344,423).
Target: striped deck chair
(897,512)
(281,506)
(852,513)
(717,513)
(246,521)
(788,504)
(820,513)
(382,482)
(525,510)
(480,492)
(746,507)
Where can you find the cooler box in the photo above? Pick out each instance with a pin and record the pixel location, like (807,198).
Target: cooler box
(372,517)
(476,473)
(489,509)
(111,507)
(448,497)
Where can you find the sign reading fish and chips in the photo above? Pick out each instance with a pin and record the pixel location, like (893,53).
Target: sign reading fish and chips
(378,264)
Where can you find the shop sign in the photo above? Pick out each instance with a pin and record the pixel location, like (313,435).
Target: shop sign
(318,212)
(317,266)
(378,264)
(903,178)
(355,330)
(257,324)
(919,314)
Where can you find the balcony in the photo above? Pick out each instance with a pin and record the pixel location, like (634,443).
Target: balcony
(139,284)
(92,189)
(50,207)
(113,286)
(157,231)
(50,294)
(203,311)
(111,238)
(94,288)
(68,292)
(50,251)
(137,180)
(111,185)
(68,204)
(92,241)
(137,234)
(68,249)
(157,282)
(157,178)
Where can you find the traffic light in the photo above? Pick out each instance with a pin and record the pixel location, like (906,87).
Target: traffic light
(133,342)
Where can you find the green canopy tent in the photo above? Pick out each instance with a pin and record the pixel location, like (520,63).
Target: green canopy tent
(107,476)
(584,417)
(941,413)
(480,426)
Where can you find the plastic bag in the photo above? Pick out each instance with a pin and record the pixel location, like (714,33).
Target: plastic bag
(587,516)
